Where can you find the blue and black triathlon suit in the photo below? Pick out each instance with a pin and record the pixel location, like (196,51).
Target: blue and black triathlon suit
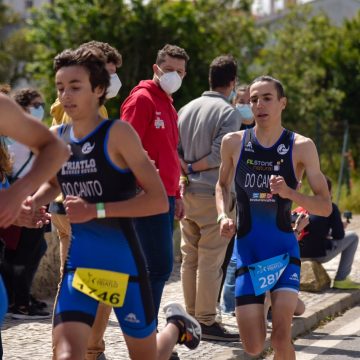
(263,219)
(106,243)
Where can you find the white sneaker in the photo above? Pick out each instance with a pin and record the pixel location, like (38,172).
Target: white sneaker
(190,333)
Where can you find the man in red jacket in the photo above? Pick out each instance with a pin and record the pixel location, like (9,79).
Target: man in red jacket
(149,109)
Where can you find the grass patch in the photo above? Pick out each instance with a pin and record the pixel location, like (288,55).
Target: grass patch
(349,202)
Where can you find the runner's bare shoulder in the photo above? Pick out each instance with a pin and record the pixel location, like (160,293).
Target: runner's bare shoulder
(304,146)
(233,138)
(304,153)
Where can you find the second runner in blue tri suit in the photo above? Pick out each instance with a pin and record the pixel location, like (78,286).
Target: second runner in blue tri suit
(264,218)
(266,162)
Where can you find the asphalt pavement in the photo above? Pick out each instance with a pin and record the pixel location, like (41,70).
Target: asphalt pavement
(26,340)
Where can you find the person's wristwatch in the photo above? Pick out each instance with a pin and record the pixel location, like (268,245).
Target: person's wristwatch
(190,169)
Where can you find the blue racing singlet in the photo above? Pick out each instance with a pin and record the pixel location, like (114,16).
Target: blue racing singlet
(263,219)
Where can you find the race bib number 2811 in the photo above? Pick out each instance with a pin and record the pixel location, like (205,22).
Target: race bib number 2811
(265,274)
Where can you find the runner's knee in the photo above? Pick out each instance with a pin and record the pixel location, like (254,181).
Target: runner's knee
(280,339)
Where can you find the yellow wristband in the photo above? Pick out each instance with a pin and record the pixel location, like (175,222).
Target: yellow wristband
(221,217)
(100,210)
(184,178)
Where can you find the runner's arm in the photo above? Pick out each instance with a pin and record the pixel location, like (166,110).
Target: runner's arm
(306,158)
(49,190)
(223,186)
(51,153)
(226,173)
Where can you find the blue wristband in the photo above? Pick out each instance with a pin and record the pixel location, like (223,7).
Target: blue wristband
(190,169)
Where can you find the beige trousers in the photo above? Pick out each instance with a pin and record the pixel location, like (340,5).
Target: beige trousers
(96,344)
(203,251)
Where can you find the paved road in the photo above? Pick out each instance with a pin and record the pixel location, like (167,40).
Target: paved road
(32,340)
(337,340)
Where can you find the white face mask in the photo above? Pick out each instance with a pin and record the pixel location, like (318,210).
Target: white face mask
(170,81)
(114,87)
(37,112)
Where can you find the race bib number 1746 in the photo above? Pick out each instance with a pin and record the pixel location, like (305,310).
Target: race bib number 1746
(108,287)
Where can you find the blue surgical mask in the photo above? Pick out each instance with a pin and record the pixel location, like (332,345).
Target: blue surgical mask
(231,96)
(245,111)
(37,112)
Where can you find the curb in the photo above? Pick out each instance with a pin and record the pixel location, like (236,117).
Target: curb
(337,303)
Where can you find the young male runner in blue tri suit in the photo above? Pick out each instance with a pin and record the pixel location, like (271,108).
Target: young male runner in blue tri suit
(267,162)
(105,261)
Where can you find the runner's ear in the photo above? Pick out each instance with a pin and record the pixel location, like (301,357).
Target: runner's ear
(99,91)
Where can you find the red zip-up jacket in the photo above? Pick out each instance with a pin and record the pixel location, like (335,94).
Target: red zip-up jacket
(151,113)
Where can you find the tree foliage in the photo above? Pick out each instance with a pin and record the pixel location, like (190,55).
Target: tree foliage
(138,30)
(318,63)
(14,49)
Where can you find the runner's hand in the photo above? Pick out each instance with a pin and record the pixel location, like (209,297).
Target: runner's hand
(30,217)
(227,228)
(278,186)
(78,210)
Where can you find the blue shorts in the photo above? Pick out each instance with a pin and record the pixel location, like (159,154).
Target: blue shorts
(101,244)
(257,247)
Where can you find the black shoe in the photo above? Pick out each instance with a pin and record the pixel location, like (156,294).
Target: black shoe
(174,356)
(217,332)
(29,313)
(37,303)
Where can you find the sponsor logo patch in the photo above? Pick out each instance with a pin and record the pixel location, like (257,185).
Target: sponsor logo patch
(294,277)
(87,148)
(131,317)
(282,149)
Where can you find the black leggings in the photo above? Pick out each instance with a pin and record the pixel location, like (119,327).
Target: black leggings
(20,265)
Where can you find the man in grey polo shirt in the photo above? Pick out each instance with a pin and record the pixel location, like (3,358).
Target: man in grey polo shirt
(202,124)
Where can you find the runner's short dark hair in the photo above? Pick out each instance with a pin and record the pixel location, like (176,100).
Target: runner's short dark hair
(277,83)
(92,60)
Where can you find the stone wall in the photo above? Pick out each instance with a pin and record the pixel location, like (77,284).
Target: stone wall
(48,274)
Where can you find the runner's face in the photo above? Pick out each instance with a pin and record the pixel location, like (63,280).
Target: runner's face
(265,105)
(75,93)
